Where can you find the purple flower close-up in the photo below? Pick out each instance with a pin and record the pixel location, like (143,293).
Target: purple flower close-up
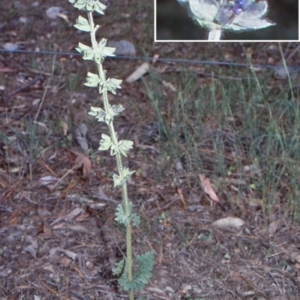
(232,15)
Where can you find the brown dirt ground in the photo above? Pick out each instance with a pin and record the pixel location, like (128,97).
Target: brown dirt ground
(58,239)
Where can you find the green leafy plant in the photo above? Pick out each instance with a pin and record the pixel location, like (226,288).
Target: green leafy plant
(97,52)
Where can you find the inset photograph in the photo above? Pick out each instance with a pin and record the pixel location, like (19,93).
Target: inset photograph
(228,20)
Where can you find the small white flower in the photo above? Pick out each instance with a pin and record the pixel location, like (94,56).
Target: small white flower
(233,15)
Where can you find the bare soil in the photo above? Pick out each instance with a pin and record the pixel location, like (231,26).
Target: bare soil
(58,237)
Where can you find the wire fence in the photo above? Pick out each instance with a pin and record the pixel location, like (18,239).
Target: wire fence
(164,60)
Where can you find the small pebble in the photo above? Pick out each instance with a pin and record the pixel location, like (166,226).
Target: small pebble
(23,20)
(53,12)
(10,46)
(123,47)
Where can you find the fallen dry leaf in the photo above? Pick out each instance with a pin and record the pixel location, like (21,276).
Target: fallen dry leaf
(81,161)
(236,276)
(208,188)
(32,250)
(80,135)
(69,254)
(228,223)
(138,73)
(272,228)
(180,193)
(64,261)
(84,162)
(5,69)
(47,180)
(32,247)
(65,127)
(47,229)
(82,217)
(70,216)
(169,85)
(155,58)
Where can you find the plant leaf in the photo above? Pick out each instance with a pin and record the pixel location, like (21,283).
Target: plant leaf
(82,24)
(125,146)
(89,6)
(105,142)
(142,274)
(121,216)
(119,180)
(119,268)
(101,51)
(88,52)
(92,80)
(111,84)
(98,113)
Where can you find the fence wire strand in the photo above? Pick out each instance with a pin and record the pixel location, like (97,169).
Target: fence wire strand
(164,60)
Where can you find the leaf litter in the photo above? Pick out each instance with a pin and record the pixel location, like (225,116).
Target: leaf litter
(73,257)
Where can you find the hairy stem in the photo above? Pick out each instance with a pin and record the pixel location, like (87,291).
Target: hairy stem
(114,139)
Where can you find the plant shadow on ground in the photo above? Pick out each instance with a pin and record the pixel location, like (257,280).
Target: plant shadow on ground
(238,127)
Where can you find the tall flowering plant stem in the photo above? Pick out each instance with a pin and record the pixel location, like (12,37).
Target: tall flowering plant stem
(97,52)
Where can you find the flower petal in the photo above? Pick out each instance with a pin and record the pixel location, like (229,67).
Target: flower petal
(204,10)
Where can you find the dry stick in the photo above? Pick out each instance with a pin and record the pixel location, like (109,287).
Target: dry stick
(66,174)
(292,53)
(33,81)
